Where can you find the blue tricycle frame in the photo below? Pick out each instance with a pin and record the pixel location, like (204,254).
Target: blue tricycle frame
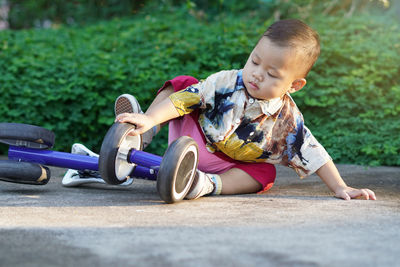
(147,164)
(121,157)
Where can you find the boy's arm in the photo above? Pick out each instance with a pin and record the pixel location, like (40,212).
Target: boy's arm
(331,177)
(157,114)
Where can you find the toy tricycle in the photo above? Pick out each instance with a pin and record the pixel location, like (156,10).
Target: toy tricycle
(120,158)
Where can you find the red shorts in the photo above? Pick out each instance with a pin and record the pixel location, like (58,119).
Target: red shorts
(217,162)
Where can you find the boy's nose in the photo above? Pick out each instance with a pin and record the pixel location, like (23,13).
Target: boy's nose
(258,76)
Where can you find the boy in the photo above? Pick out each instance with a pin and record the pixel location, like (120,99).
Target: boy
(245,120)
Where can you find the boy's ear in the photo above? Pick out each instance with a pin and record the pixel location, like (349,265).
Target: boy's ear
(297,85)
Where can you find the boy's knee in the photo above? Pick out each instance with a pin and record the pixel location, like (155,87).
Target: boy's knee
(237,181)
(183,81)
(167,90)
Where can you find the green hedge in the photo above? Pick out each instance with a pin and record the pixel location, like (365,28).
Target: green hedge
(37,13)
(66,79)
(353,98)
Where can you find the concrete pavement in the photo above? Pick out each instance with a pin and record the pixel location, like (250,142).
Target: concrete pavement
(296,223)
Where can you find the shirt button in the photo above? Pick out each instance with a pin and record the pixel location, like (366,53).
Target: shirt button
(237,121)
(221,138)
(251,133)
(251,101)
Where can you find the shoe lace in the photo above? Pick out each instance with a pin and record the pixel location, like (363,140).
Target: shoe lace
(89,174)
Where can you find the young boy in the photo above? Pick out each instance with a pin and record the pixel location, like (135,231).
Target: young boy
(245,120)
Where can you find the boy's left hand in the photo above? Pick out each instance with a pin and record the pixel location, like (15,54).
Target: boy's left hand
(348,193)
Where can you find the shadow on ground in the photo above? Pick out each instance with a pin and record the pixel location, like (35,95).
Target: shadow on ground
(296,223)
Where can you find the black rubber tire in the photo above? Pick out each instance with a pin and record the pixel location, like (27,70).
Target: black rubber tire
(109,150)
(24,172)
(176,173)
(26,135)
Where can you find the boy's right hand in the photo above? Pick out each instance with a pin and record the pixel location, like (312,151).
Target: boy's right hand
(348,193)
(143,122)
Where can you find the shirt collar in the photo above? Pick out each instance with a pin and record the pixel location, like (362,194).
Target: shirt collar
(239,80)
(268,107)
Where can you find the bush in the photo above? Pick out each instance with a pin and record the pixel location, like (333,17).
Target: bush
(355,107)
(66,79)
(45,13)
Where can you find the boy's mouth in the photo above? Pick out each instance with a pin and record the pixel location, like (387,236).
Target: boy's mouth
(253,86)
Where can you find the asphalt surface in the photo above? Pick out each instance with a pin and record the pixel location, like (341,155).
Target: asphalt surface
(296,223)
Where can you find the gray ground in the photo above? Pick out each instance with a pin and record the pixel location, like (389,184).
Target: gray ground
(297,223)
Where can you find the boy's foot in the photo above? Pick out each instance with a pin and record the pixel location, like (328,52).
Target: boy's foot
(75,178)
(202,185)
(127,103)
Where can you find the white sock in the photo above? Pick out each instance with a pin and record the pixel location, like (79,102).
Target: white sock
(216,179)
(205,184)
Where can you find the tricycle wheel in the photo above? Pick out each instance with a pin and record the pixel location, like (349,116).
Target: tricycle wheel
(24,172)
(177,169)
(26,135)
(113,161)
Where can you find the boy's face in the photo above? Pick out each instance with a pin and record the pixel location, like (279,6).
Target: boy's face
(272,70)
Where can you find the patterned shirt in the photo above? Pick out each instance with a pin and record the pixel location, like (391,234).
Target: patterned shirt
(248,129)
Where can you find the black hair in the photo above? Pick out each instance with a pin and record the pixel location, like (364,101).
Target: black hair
(295,33)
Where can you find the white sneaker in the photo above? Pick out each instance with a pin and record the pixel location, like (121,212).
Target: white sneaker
(75,178)
(72,178)
(82,150)
(202,185)
(127,103)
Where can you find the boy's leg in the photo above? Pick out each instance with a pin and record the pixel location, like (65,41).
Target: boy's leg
(123,104)
(234,181)
(176,84)
(237,181)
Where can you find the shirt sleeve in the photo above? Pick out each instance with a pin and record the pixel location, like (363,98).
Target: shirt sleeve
(306,154)
(187,100)
(202,94)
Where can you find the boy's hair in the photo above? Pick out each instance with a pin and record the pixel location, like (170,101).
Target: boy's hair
(296,34)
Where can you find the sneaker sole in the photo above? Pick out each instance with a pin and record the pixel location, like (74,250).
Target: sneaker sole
(82,150)
(71,177)
(126,104)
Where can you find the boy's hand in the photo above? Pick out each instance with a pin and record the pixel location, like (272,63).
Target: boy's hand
(143,122)
(348,193)
(331,177)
